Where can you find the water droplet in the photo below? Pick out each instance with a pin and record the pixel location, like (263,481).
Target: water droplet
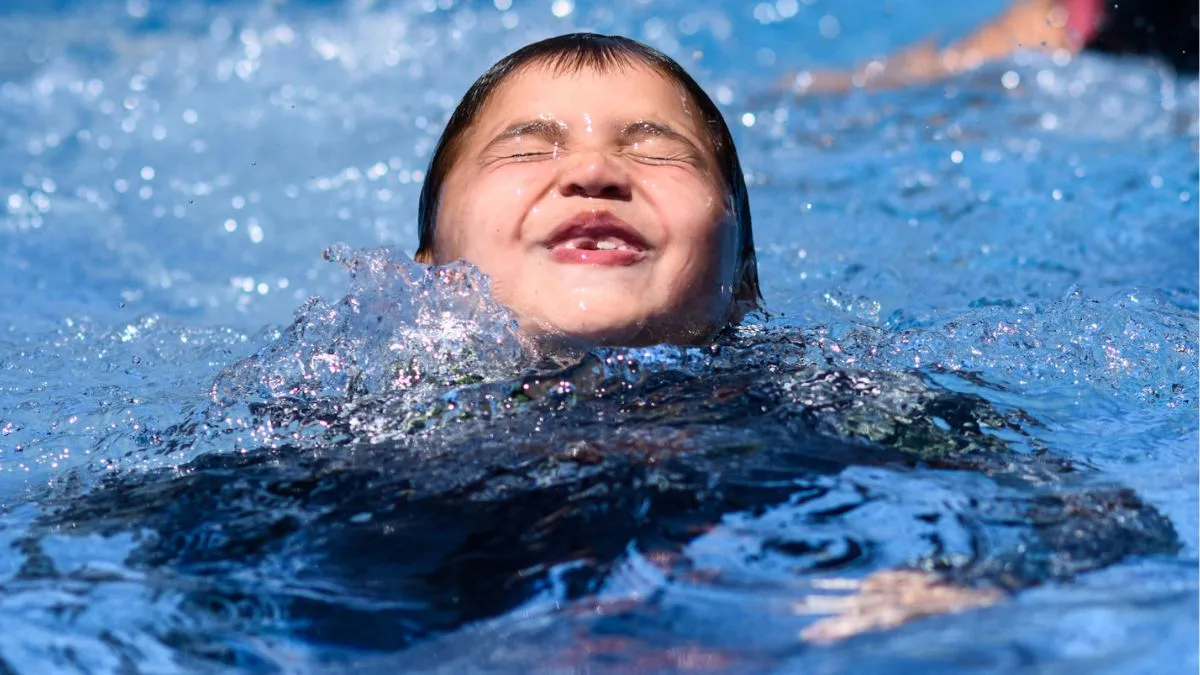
(829,26)
(562,8)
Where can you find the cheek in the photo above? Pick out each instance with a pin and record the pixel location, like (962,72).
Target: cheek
(473,223)
(697,218)
(708,254)
(684,191)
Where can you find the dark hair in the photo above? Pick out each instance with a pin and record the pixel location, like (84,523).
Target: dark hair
(602,53)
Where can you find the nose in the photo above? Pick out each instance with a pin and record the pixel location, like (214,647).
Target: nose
(594,174)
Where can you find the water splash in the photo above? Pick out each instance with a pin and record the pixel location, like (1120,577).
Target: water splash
(403,334)
(402,325)
(142,374)
(1134,345)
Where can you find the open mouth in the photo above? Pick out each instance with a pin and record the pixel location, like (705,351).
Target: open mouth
(597,238)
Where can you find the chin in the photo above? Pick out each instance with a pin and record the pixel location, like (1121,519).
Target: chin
(588,331)
(592,331)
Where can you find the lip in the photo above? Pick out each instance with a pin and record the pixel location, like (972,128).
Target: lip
(596,225)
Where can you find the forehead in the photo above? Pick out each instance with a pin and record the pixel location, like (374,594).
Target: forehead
(620,92)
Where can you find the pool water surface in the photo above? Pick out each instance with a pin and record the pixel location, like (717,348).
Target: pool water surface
(240,430)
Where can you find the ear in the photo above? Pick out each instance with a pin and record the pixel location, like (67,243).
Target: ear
(424,256)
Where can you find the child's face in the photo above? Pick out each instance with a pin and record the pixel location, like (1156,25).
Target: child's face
(595,204)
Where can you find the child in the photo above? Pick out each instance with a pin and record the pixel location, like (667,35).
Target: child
(598,186)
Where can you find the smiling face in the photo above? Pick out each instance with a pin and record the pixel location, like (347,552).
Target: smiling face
(594,202)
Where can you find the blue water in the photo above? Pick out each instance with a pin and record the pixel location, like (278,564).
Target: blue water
(983,299)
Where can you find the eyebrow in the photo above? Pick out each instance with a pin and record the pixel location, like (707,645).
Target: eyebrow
(551,131)
(638,129)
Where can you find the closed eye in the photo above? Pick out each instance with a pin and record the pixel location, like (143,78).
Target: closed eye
(658,143)
(530,154)
(657,159)
(660,152)
(527,140)
(516,155)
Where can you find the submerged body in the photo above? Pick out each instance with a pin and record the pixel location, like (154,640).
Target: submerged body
(496,494)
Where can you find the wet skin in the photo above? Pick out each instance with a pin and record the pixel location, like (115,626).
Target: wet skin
(594,202)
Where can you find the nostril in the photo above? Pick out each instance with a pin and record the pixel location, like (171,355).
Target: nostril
(610,191)
(595,186)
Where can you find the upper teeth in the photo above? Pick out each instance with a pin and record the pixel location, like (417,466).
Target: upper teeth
(605,244)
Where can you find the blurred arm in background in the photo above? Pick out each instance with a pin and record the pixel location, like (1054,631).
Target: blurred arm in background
(1167,29)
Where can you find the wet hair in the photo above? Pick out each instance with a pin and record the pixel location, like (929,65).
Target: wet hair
(601,53)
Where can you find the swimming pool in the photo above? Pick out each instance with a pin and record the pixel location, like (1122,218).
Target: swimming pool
(982,356)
